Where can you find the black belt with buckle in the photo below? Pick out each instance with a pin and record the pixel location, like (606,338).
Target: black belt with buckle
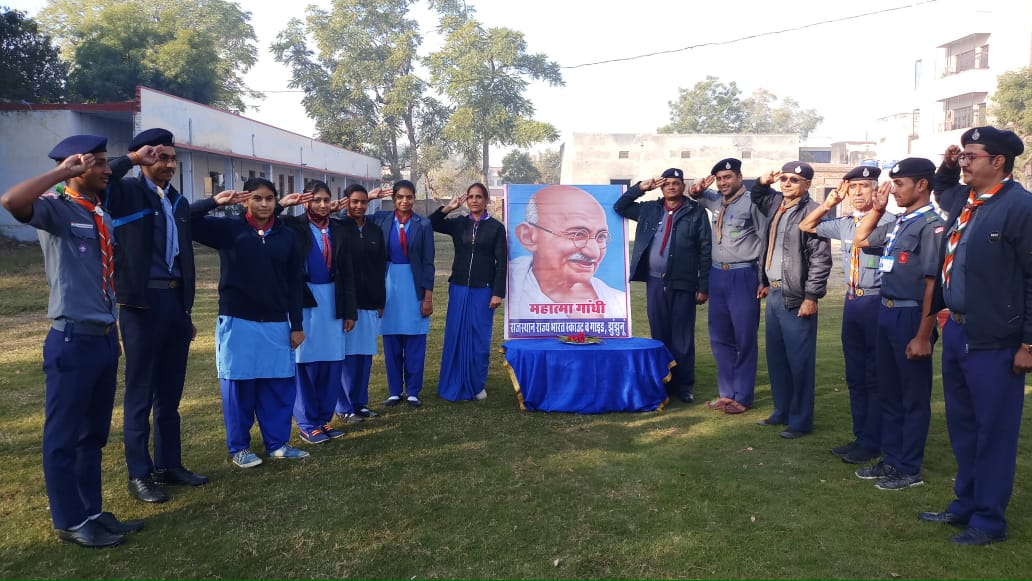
(82,327)
(164,283)
(958,318)
(775,284)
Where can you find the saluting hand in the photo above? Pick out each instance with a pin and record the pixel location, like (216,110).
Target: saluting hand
(148,155)
(78,164)
(881,196)
(769,177)
(952,156)
(651,184)
(455,203)
(229,197)
(296,339)
(378,193)
(295,199)
(701,185)
(836,196)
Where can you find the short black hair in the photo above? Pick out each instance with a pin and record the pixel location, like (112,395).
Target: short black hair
(1008,163)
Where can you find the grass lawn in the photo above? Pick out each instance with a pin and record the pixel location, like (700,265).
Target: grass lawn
(483,490)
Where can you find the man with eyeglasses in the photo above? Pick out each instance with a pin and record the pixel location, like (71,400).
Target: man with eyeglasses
(566,233)
(672,257)
(796,265)
(985,279)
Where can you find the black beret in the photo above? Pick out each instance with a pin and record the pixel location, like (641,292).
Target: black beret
(913,167)
(800,168)
(673,173)
(863,172)
(730,163)
(76,144)
(1003,142)
(156,136)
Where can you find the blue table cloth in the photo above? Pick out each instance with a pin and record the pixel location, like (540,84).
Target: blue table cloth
(617,375)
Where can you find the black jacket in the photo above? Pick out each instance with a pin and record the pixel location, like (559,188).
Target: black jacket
(998,281)
(689,258)
(343,276)
(133,206)
(806,258)
(479,262)
(369,263)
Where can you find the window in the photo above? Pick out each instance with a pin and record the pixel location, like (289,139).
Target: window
(250,174)
(746,154)
(613,182)
(282,182)
(965,54)
(290,186)
(624,155)
(686,154)
(915,120)
(963,111)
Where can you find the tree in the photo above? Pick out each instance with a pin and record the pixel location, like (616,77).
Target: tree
(30,68)
(361,86)
(518,168)
(549,165)
(195,49)
(713,107)
(485,72)
(1012,102)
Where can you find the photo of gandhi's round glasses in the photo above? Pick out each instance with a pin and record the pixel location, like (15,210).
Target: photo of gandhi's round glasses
(579,236)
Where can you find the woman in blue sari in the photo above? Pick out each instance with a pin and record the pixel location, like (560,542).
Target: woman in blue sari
(477,287)
(410,290)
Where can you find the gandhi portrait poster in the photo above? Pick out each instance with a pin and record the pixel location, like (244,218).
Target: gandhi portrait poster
(568,262)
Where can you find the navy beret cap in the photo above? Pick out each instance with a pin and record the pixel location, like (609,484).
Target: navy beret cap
(729,163)
(912,167)
(76,144)
(155,136)
(673,173)
(800,168)
(862,172)
(1003,142)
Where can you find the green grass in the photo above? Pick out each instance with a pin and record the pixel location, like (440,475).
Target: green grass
(485,490)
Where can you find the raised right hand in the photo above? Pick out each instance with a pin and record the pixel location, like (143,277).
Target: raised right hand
(769,177)
(228,197)
(952,156)
(295,199)
(881,196)
(78,164)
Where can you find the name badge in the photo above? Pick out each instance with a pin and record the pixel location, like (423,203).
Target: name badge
(886,263)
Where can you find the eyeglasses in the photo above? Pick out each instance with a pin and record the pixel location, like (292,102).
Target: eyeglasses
(969,157)
(790,179)
(579,236)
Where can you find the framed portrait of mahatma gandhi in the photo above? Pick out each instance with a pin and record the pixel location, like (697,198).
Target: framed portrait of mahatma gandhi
(568,262)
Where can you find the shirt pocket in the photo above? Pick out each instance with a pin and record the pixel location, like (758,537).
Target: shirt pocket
(738,227)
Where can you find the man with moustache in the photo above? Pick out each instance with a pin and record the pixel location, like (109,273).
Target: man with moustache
(672,257)
(796,265)
(906,327)
(985,278)
(860,309)
(734,305)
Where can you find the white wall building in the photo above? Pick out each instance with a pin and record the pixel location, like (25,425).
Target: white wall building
(216,150)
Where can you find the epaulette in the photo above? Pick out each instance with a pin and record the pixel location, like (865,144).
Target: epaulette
(931,217)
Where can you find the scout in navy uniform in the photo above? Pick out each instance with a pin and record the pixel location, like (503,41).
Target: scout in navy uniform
(329,314)
(369,262)
(672,256)
(261,298)
(154,273)
(734,283)
(80,354)
(796,266)
(906,331)
(860,309)
(985,279)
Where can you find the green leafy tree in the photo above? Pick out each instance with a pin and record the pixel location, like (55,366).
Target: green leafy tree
(356,63)
(30,68)
(195,49)
(484,73)
(714,107)
(1012,108)
(518,168)
(549,165)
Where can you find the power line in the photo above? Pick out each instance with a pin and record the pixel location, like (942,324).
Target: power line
(750,37)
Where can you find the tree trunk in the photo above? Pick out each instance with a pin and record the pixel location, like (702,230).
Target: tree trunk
(485,145)
(410,131)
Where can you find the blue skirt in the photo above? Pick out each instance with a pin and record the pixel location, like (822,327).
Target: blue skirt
(362,339)
(467,343)
(251,350)
(401,315)
(324,332)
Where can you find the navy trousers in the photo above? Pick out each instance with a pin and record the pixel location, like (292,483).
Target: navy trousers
(906,390)
(672,321)
(859,340)
(791,363)
(354,394)
(734,322)
(157,344)
(80,392)
(404,356)
(271,401)
(983,413)
(318,386)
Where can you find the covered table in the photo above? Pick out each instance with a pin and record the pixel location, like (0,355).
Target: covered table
(616,375)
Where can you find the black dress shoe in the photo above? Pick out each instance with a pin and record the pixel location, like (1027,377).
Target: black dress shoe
(792,434)
(973,536)
(861,455)
(91,535)
(146,489)
(117,527)
(844,449)
(178,475)
(768,422)
(948,518)
(686,397)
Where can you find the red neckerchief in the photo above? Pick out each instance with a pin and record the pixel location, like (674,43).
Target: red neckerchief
(107,250)
(263,229)
(402,239)
(670,210)
(323,224)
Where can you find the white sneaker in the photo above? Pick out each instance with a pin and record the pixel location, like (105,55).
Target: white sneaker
(482,394)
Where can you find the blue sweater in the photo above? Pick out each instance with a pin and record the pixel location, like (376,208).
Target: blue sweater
(260,280)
